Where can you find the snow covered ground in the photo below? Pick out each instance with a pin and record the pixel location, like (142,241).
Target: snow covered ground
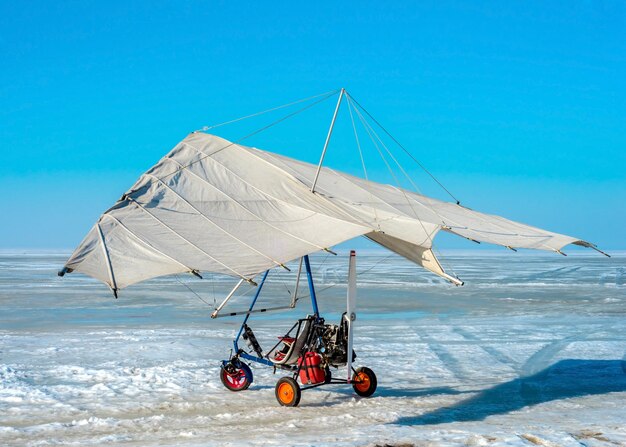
(529,352)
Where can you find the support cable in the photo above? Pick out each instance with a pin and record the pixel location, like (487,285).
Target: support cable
(206,128)
(408,177)
(443,221)
(404,149)
(319,291)
(233,143)
(358,145)
(371,131)
(440,256)
(192,291)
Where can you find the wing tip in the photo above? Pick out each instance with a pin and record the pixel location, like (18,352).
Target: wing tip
(582,243)
(64,270)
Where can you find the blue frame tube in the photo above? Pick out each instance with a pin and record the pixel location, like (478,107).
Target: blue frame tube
(245,320)
(309,275)
(254,358)
(311,286)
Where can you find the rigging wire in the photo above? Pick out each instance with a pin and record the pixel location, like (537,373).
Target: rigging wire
(408,177)
(247,292)
(371,131)
(233,143)
(442,259)
(319,269)
(193,291)
(358,145)
(323,289)
(319,291)
(404,149)
(206,128)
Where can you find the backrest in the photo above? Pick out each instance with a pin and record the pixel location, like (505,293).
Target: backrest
(294,352)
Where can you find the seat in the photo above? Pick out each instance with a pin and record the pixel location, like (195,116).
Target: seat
(290,351)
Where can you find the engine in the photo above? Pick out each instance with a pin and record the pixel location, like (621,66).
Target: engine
(335,341)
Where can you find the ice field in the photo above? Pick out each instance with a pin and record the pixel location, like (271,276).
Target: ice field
(531,351)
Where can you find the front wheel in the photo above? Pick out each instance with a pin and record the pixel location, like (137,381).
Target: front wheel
(364,382)
(236,376)
(288,392)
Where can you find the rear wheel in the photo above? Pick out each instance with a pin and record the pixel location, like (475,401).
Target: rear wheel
(364,382)
(236,376)
(288,392)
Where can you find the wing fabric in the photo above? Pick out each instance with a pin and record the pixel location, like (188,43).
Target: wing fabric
(212,205)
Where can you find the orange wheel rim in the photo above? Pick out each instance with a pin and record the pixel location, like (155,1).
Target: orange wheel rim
(285,393)
(362,382)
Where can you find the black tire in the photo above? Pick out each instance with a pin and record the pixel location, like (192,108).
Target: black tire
(236,376)
(364,382)
(288,392)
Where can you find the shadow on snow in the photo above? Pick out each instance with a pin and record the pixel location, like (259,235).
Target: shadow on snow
(564,379)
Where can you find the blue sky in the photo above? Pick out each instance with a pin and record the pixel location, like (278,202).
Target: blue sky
(519,108)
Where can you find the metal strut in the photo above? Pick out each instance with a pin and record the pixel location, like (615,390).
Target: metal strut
(294,298)
(228,297)
(330,132)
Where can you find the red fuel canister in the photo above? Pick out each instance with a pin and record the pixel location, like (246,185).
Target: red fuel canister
(312,365)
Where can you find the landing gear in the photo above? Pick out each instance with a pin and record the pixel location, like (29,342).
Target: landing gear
(307,351)
(364,382)
(235,375)
(288,392)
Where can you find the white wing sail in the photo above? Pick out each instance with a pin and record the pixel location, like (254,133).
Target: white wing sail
(212,205)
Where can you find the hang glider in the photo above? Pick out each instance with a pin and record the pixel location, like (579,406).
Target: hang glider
(216,206)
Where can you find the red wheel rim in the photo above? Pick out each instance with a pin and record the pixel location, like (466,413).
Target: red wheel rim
(237,380)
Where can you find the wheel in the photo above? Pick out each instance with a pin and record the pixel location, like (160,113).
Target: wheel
(364,382)
(288,392)
(236,376)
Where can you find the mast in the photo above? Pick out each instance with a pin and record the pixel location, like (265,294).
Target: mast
(330,132)
(350,315)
